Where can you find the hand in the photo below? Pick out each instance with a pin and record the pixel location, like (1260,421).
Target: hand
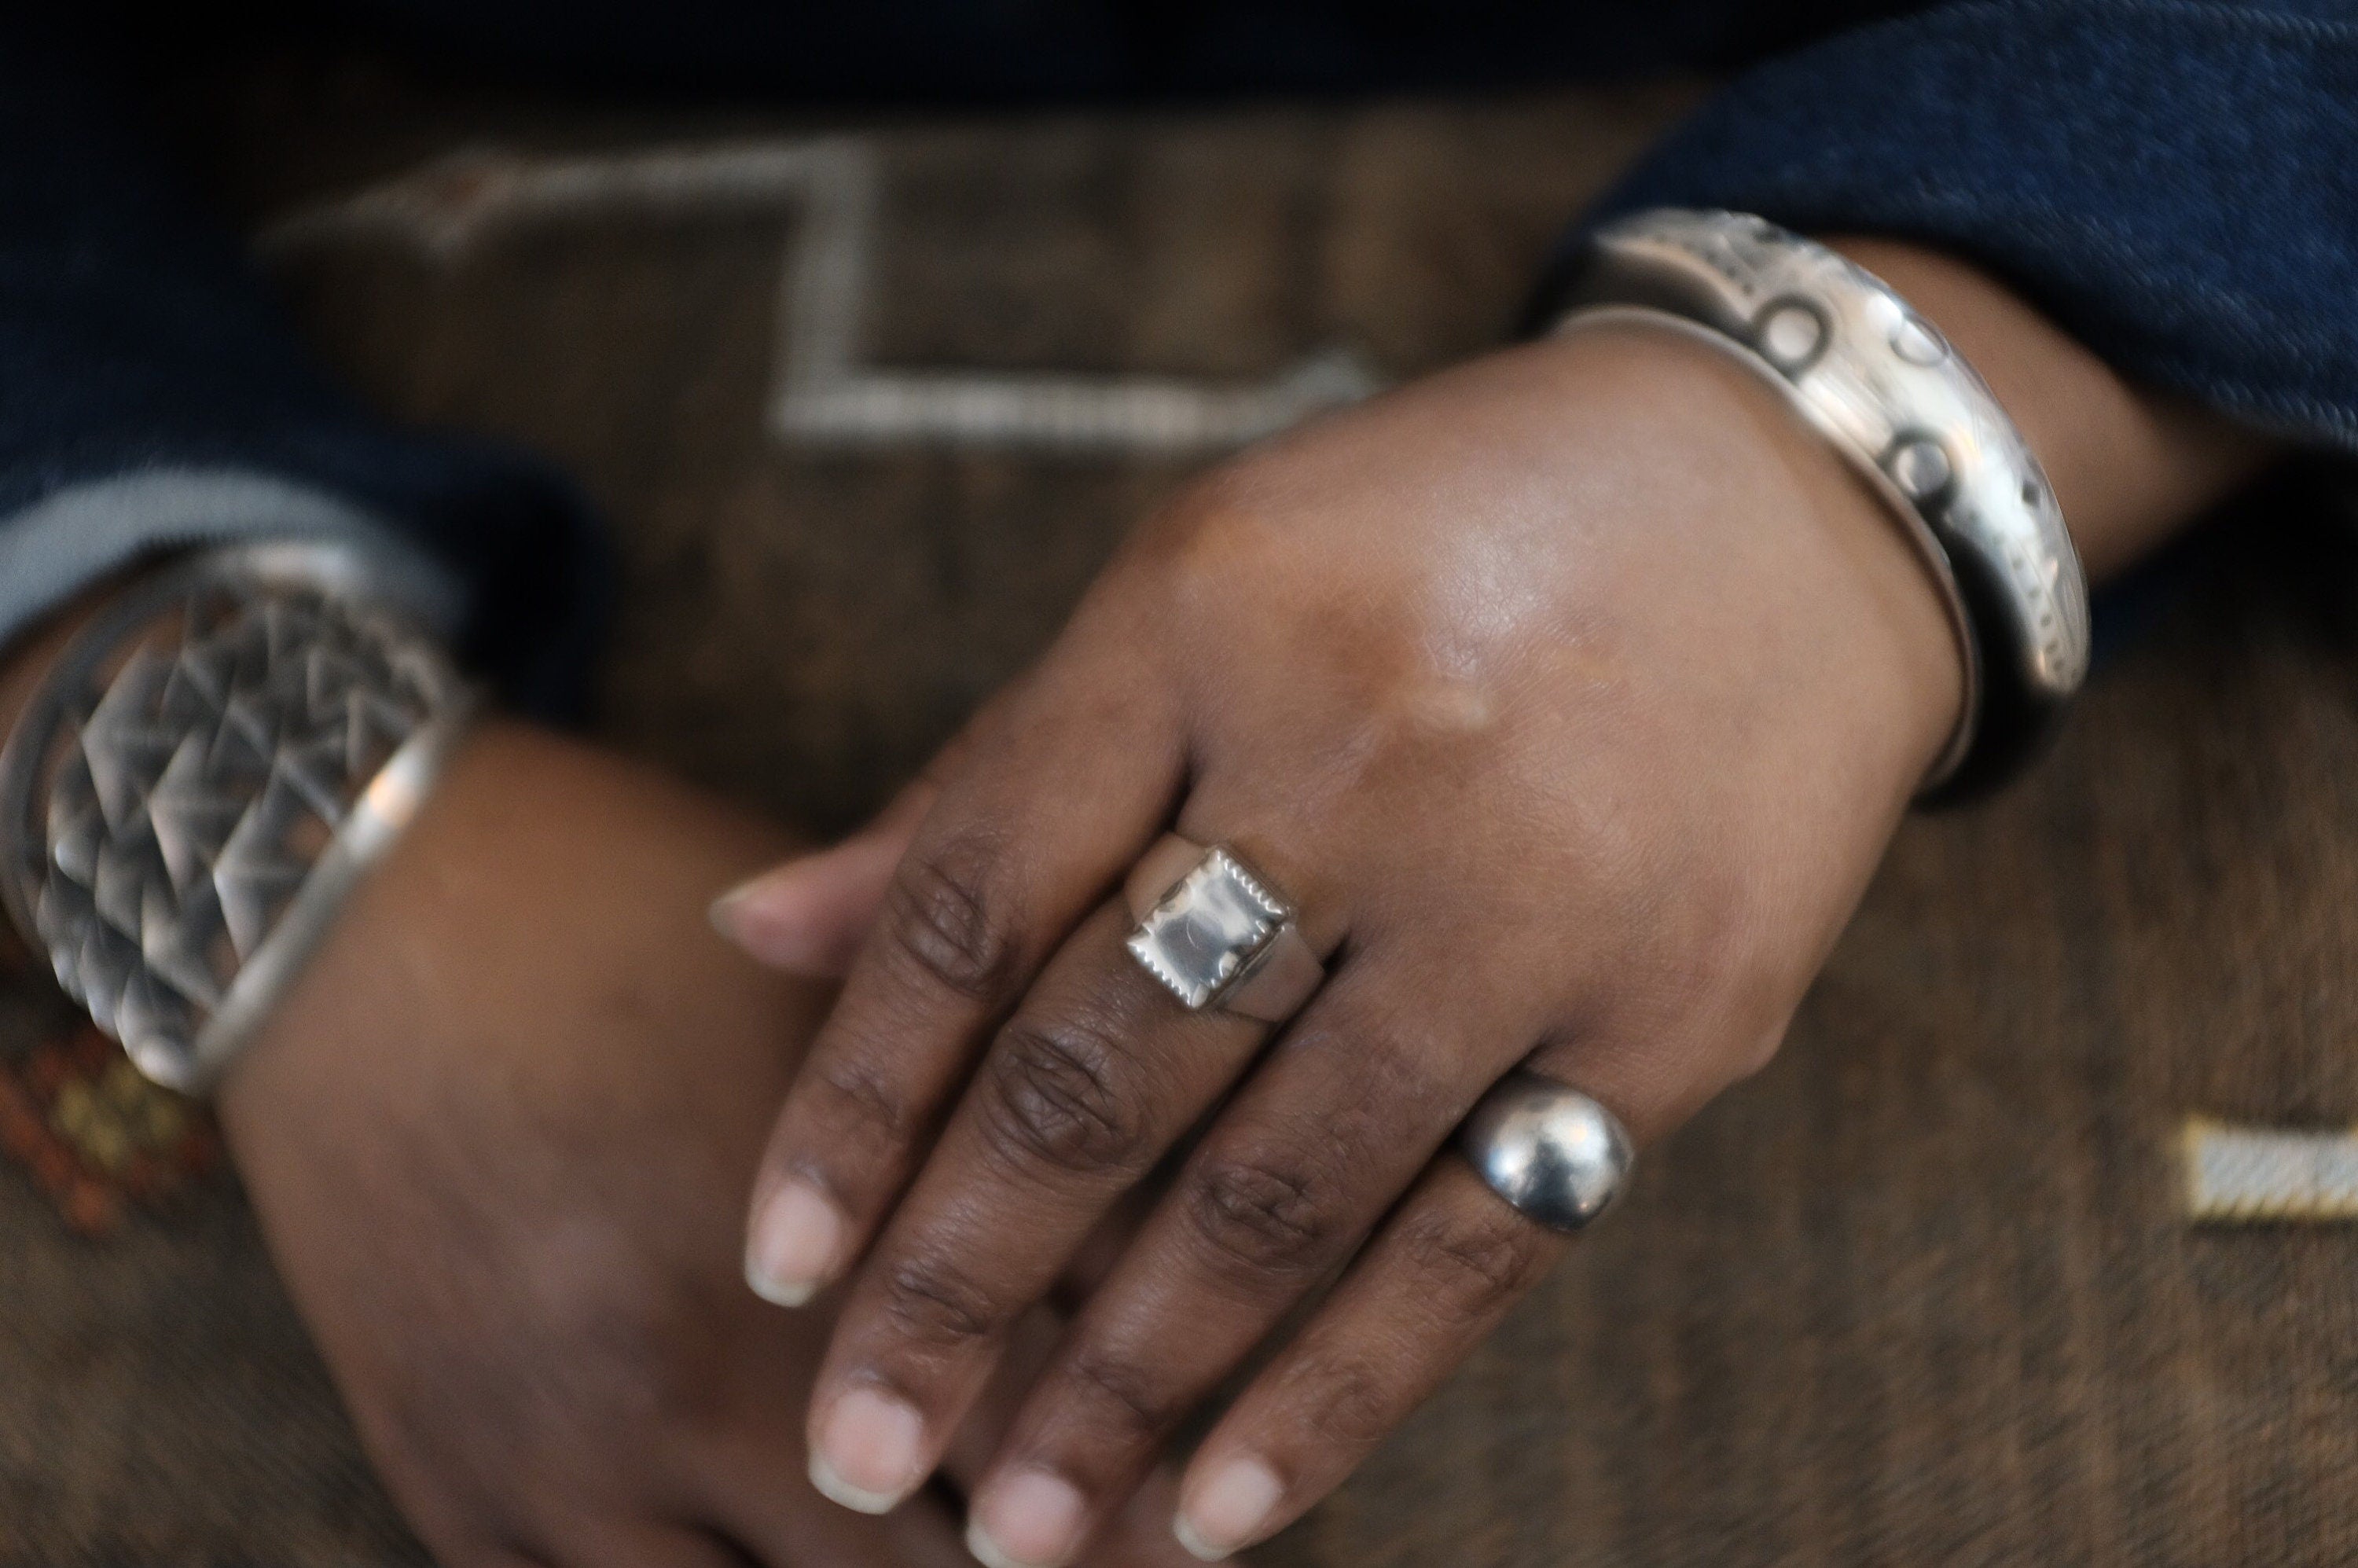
(1571,696)
(496,1135)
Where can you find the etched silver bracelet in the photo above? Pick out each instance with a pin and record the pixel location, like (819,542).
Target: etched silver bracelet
(1917,423)
(201,779)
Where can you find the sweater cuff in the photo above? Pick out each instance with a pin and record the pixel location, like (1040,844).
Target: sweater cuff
(77,536)
(2169,180)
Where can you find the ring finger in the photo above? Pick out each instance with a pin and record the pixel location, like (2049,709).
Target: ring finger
(1431,1285)
(1321,1141)
(1445,1266)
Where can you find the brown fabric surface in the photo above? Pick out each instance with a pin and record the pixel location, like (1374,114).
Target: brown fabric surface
(1920,1292)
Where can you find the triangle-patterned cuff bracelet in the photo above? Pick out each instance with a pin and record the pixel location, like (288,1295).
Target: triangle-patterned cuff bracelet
(203,776)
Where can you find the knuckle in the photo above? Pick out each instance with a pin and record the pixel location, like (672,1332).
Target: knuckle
(854,1099)
(1058,1097)
(1470,1269)
(1349,1406)
(1262,1215)
(1390,1071)
(949,916)
(1138,1403)
(936,1305)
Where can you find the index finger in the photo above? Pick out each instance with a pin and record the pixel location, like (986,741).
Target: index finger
(1060,791)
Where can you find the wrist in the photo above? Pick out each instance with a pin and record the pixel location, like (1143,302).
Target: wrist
(1890,394)
(299,1078)
(1821,550)
(298,1064)
(1897,627)
(510,951)
(1859,343)
(1887,617)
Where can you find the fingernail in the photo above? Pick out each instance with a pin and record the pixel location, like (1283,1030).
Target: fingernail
(722,912)
(866,1457)
(1031,1520)
(1227,1509)
(739,913)
(727,913)
(793,1245)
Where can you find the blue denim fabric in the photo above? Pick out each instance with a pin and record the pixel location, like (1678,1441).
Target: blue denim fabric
(2175,182)
(136,341)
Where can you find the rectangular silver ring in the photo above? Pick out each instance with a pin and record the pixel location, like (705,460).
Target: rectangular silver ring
(1205,934)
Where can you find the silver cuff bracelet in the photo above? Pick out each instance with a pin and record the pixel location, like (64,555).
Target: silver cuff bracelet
(1916,422)
(201,779)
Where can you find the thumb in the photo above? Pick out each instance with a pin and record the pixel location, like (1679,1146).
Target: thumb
(808,916)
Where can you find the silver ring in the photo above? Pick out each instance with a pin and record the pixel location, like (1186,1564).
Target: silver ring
(1217,935)
(1554,1154)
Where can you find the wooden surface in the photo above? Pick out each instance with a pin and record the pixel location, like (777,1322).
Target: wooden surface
(1920,1293)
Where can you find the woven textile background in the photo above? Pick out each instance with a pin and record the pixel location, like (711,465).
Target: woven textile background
(1923,1292)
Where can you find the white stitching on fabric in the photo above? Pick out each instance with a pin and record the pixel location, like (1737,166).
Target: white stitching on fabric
(819,391)
(2260,1175)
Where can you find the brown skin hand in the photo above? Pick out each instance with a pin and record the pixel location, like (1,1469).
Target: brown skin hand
(1573,694)
(496,1135)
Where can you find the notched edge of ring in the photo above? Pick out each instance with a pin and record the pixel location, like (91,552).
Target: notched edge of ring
(1270,915)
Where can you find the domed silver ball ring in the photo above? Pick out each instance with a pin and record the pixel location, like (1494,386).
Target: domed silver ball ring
(1553,1153)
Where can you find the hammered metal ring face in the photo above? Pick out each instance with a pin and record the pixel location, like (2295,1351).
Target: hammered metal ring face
(1207,932)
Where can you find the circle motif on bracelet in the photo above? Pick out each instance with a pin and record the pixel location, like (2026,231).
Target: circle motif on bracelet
(1791,334)
(1918,342)
(1921,468)
(1555,1155)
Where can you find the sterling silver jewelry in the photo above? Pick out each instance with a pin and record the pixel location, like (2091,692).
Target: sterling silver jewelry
(1217,935)
(201,779)
(1555,1155)
(1907,412)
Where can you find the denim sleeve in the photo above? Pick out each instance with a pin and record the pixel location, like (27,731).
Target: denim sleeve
(151,396)
(2174,182)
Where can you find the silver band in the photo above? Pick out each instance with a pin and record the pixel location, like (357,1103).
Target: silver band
(1907,412)
(1556,1155)
(1217,935)
(201,779)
